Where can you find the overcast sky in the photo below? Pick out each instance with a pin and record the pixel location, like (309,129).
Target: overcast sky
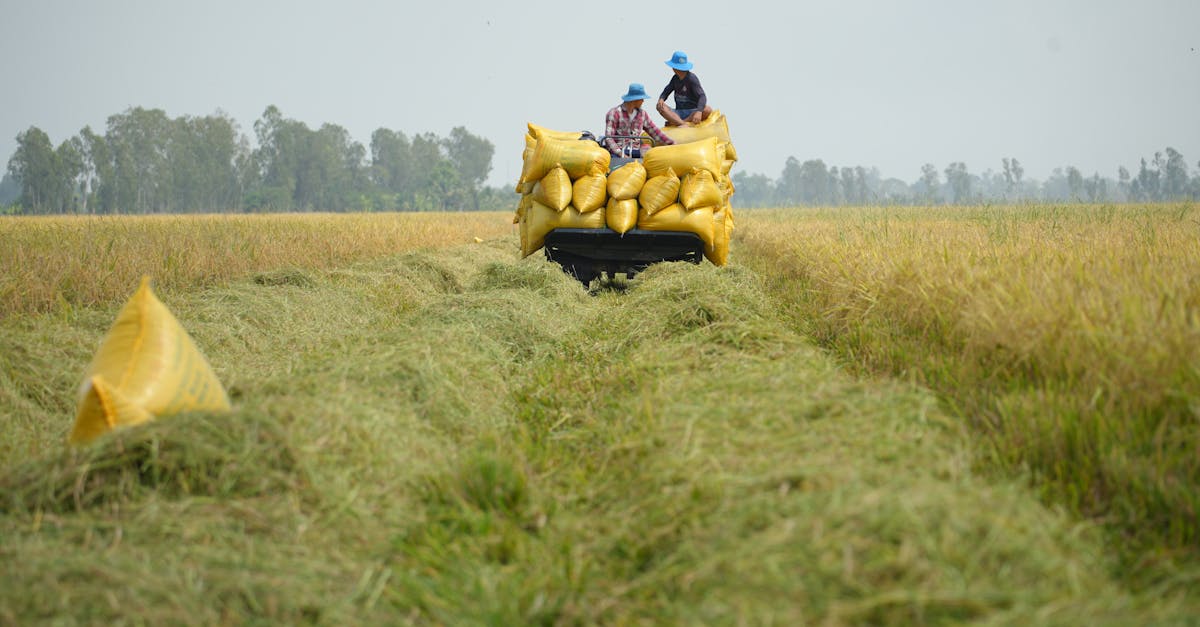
(890,84)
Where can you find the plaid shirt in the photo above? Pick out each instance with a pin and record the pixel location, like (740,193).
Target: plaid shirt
(620,122)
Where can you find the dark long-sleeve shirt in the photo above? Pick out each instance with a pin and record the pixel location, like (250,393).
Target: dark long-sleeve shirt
(688,92)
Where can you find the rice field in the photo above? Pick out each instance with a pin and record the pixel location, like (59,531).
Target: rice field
(885,416)
(1068,336)
(68,261)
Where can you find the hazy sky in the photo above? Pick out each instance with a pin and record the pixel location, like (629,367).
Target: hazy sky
(1094,84)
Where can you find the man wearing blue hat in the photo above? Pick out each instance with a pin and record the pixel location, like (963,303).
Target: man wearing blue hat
(625,122)
(691,105)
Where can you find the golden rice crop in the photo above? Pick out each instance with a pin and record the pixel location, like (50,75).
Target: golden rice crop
(1070,335)
(82,260)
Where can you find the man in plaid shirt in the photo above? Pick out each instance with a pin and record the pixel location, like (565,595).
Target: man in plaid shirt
(628,119)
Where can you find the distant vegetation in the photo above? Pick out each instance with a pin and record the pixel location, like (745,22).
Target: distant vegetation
(1163,178)
(148,162)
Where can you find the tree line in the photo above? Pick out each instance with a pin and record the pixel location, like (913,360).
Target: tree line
(1164,178)
(148,162)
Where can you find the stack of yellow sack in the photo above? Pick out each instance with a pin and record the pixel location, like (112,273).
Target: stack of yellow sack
(706,149)
(563,185)
(680,187)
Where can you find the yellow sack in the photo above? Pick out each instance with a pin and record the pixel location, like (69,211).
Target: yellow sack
(699,189)
(541,219)
(523,230)
(621,215)
(725,183)
(578,156)
(676,218)
(538,132)
(730,151)
(702,154)
(554,189)
(714,126)
(146,367)
(590,192)
(526,161)
(659,191)
(722,230)
(522,207)
(626,181)
(713,118)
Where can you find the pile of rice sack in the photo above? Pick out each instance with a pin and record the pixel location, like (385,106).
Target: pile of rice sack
(565,183)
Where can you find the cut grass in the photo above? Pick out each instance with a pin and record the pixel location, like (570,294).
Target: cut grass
(458,437)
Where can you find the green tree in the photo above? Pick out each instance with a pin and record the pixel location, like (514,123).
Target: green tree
(426,153)
(471,157)
(10,190)
(139,140)
(753,190)
(1146,186)
(1096,188)
(446,189)
(791,186)
(928,184)
(818,184)
(1174,175)
(46,184)
(272,179)
(1074,182)
(391,155)
(959,181)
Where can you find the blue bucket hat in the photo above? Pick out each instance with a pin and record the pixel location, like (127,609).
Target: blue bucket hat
(679,61)
(636,92)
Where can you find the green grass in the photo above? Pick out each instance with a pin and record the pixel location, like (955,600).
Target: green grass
(457,437)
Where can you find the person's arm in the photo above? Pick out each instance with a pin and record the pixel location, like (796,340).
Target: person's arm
(610,129)
(667,90)
(701,98)
(660,137)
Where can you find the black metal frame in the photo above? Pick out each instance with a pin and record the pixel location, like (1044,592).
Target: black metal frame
(588,254)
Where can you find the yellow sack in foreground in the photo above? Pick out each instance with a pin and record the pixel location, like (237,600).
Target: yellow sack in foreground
(703,154)
(699,189)
(554,189)
(540,220)
(660,191)
(147,367)
(626,181)
(621,215)
(676,218)
(578,156)
(590,192)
